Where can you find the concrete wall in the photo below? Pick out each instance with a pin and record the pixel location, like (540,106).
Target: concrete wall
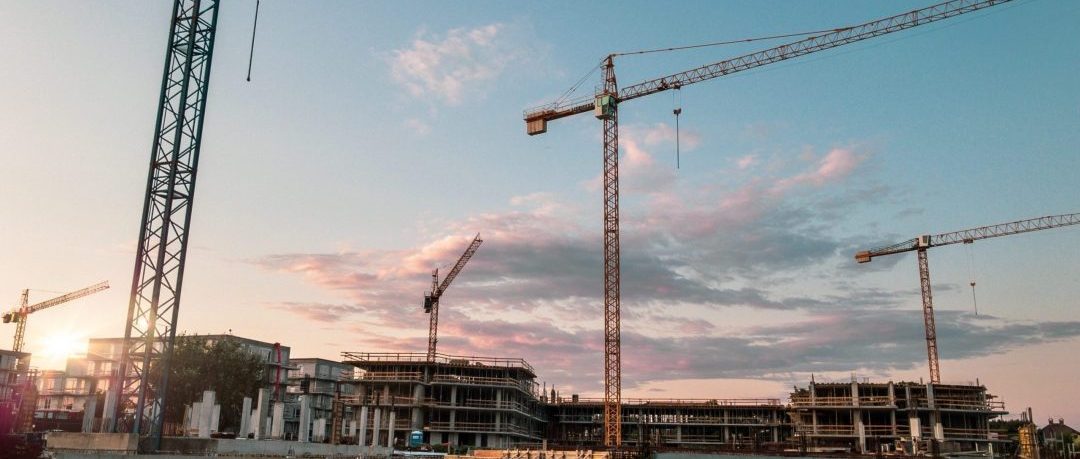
(77,441)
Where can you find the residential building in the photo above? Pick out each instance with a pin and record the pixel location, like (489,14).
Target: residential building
(93,374)
(1058,436)
(11,381)
(322,381)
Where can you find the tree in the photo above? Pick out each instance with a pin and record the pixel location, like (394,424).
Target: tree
(223,366)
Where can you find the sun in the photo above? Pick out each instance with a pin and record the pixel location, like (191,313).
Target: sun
(59,346)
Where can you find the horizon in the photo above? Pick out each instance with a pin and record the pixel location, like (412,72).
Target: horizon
(374,140)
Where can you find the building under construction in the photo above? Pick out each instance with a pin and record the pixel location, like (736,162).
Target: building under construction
(728,424)
(909,417)
(457,400)
(17,392)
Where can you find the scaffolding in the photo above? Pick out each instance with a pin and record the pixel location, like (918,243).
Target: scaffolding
(906,417)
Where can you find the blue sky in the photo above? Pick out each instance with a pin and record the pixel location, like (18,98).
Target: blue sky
(375,138)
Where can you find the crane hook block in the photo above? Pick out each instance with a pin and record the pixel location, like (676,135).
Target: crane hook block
(604,106)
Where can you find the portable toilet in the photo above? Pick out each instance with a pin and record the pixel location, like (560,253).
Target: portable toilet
(416,438)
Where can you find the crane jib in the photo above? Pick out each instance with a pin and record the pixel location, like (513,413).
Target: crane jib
(536,118)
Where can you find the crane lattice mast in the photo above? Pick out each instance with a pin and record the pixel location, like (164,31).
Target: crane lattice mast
(604,105)
(431,300)
(922,243)
(150,329)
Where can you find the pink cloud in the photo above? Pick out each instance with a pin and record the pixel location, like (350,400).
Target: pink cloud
(745,162)
(835,166)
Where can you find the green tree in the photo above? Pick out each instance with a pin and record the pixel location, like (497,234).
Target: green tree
(223,366)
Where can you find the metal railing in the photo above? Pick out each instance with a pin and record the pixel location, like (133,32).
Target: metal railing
(420,357)
(480,427)
(414,376)
(805,400)
(693,402)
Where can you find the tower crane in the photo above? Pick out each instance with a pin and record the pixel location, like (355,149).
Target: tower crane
(968,236)
(150,328)
(604,105)
(27,393)
(19,315)
(431,299)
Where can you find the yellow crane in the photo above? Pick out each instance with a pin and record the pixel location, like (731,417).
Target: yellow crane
(26,396)
(21,313)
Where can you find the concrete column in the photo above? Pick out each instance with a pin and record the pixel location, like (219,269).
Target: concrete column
(860,430)
(935,416)
(245,418)
(205,413)
(417,421)
(262,411)
(775,427)
(453,396)
(453,416)
(915,425)
(892,403)
(319,430)
(191,419)
(352,429)
(375,427)
(305,419)
(726,431)
(498,413)
(277,422)
(363,426)
(390,430)
(215,419)
(89,408)
(108,419)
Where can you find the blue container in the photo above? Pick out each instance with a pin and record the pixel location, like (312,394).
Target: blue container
(416,438)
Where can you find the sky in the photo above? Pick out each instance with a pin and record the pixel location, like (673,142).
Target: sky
(376,138)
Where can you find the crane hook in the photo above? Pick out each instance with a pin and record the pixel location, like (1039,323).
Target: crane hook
(677,111)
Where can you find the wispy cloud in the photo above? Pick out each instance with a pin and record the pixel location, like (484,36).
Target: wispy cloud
(447,66)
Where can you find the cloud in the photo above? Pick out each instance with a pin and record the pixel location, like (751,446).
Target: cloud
(446,67)
(836,165)
(702,267)
(746,162)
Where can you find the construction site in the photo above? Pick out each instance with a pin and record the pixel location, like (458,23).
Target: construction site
(113,399)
